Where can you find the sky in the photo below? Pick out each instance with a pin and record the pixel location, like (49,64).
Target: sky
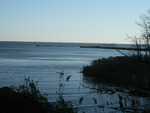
(87,21)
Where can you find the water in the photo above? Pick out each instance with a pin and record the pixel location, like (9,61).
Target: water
(42,63)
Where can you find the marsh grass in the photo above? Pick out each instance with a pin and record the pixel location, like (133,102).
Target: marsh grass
(120,71)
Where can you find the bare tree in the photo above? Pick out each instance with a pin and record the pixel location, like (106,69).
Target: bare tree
(143,41)
(145,32)
(137,44)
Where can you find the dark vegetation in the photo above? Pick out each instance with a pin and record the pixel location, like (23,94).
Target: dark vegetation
(120,71)
(27,98)
(132,70)
(13,102)
(130,73)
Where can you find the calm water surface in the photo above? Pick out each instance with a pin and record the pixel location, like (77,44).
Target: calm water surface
(42,63)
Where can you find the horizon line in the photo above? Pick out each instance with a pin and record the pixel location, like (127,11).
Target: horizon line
(66,42)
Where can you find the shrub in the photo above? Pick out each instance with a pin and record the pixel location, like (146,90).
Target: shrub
(121,71)
(30,90)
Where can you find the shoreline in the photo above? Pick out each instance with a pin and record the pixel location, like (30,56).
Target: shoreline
(117,48)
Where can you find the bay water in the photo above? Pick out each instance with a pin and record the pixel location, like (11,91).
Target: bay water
(43,61)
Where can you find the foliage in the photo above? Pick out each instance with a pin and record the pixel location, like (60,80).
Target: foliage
(120,71)
(30,90)
(131,71)
(62,106)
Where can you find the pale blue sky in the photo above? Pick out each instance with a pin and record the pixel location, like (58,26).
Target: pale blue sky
(95,21)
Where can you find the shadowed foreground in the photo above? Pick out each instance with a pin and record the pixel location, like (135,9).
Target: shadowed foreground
(13,102)
(26,98)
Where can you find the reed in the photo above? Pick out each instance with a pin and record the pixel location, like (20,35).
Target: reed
(120,71)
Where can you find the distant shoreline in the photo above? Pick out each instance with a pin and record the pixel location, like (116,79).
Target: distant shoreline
(117,48)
